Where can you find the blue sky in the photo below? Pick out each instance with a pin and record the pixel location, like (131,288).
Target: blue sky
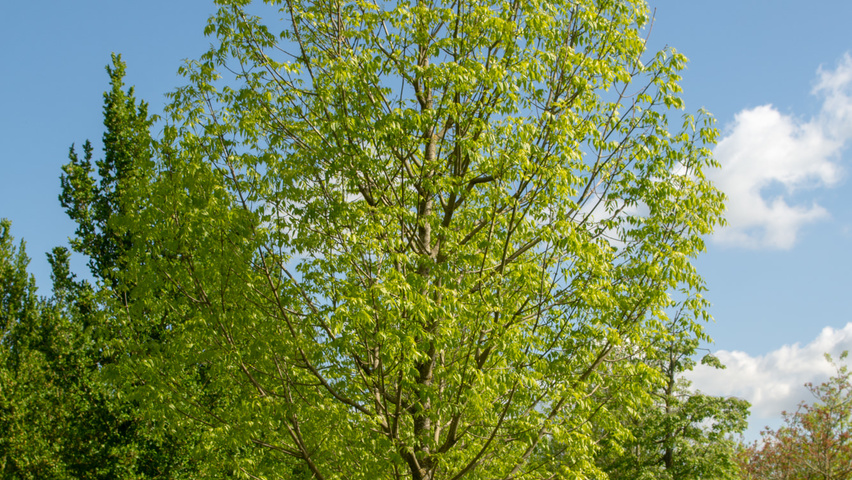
(776,75)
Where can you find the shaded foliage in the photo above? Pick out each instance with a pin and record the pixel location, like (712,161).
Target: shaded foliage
(61,418)
(681,434)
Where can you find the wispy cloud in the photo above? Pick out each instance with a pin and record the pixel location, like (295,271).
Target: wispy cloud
(773,382)
(768,156)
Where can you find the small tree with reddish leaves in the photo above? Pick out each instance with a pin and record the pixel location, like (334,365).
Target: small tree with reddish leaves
(815,442)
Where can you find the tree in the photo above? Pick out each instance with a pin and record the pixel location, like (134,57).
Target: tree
(682,434)
(59,417)
(108,437)
(18,300)
(405,238)
(18,304)
(93,200)
(45,381)
(815,440)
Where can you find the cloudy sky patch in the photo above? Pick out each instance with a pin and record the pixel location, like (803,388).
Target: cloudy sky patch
(773,382)
(771,159)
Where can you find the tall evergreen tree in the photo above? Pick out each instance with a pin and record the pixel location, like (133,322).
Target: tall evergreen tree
(61,418)
(95,201)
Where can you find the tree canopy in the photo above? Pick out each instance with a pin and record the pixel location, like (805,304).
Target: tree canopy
(60,417)
(682,434)
(418,240)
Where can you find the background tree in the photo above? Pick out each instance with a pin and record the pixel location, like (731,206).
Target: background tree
(405,238)
(93,199)
(61,418)
(815,441)
(97,199)
(682,434)
(18,305)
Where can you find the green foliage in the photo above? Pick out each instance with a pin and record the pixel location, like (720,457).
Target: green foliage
(409,240)
(61,420)
(681,434)
(18,302)
(18,305)
(93,201)
(59,417)
(815,440)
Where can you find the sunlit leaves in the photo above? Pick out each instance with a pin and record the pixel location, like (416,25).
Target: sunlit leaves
(422,227)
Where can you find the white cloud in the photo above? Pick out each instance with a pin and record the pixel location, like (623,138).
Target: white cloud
(768,150)
(773,382)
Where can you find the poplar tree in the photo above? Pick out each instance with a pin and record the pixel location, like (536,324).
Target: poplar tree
(94,194)
(60,417)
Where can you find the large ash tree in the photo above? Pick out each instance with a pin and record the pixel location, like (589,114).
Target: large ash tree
(414,239)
